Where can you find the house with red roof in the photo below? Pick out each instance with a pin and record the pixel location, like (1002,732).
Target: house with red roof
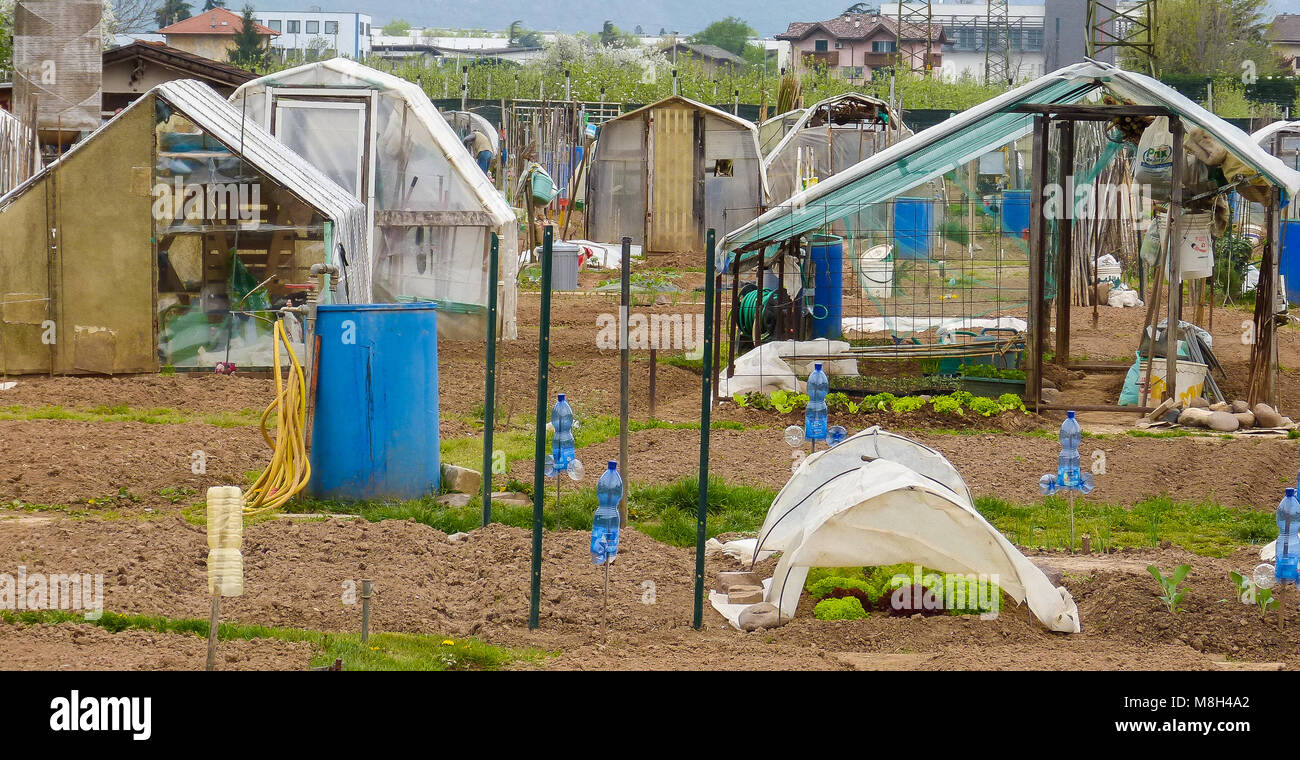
(853,45)
(210,34)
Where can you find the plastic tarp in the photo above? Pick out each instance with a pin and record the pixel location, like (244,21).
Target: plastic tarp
(885,513)
(774,366)
(972,133)
(789,509)
(420,165)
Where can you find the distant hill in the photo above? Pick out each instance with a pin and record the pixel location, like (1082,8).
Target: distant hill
(685,16)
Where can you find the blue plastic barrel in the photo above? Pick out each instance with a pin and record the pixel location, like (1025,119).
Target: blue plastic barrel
(1289,259)
(827,254)
(375,429)
(913,227)
(1015,212)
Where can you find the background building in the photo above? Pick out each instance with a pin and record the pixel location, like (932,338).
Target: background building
(318,33)
(210,34)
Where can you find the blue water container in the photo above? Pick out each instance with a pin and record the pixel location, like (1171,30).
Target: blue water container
(1289,259)
(913,227)
(827,254)
(375,429)
(1015,212)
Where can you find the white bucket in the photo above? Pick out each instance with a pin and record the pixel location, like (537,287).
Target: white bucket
(876,271)
(1190,382)
(1196,247)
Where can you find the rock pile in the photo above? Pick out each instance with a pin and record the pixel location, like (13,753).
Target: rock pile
(1227,417)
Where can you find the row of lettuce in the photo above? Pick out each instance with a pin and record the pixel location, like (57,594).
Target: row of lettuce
(955,404)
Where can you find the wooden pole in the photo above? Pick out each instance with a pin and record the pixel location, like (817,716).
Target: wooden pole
(214,623)
(1172,330)
(1037,241)
(624,362)
(1065,245)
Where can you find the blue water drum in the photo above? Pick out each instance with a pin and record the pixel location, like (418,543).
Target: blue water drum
(375,428)
(827,254)
(1289,259)
(1015,212)
(913,227)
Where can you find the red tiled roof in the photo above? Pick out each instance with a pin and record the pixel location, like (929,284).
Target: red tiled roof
(860,26)
(215,21)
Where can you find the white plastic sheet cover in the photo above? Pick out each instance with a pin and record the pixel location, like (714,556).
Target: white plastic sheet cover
(885,513)
(786,516)
(773,366)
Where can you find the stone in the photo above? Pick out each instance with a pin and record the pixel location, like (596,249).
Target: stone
(1266,416)
(1224,422)
(1172,416)
(745,595)
(1240,406)
(758,616)
(454,499)
(512,499)
(456,538)
(1200,403)
(1194,417)
(461,479)
(1051,396)
(1247,419)
(1219,406)
(731,579)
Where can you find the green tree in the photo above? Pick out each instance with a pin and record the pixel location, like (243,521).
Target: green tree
(612,36)
(396,28)
(170,12)
(517,36)
(861,8)
(1210,38)
(730,34)
(6,36)
(250,47)
(210,4)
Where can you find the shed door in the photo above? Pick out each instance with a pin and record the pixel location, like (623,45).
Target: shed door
(676,192)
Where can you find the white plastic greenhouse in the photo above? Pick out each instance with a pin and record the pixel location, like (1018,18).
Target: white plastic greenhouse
(431,210)
(828,138)
(665,173)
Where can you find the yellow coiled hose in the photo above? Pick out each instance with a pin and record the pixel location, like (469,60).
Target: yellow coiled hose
(289,469)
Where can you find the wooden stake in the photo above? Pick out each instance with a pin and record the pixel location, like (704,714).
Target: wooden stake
(213,623)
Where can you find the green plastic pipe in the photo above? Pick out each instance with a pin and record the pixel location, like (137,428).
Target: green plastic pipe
(539,452)
(490,391)
(706,408)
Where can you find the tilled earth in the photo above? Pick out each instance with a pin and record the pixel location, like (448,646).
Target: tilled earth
(297,573)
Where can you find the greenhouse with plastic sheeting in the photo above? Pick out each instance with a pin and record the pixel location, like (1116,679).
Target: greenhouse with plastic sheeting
(431,211)
(665,173)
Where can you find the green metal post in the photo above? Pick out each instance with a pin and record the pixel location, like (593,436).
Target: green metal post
(490,392)
(539,453)
(706,408)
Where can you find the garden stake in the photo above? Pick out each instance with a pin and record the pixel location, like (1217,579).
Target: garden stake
(490,392)
(624,361)
(539,451)
(604,610)
(702,512)
(365,610)
(213,623)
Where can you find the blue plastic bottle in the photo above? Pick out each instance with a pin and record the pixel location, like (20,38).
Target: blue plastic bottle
(1067,464)
(562,442)
(604,526)
(814,415)
(1287,563)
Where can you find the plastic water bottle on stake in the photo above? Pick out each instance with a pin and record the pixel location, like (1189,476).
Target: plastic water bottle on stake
(814,416)
(604,526)
(562,444)
(1067,464)
(1287,562)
